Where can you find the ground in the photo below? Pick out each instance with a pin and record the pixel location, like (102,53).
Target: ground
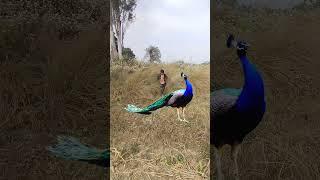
(158,146)
(40,100)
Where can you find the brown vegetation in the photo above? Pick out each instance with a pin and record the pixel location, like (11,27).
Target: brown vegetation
(158,146)
(284,47)
(53,61)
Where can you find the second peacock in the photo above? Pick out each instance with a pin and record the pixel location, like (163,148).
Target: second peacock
(236,112)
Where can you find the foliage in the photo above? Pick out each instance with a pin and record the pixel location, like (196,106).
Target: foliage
(123,9)
(122,14)
(180,62)
(153,54)
(128,54)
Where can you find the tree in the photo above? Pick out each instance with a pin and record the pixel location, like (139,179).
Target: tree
(113,45)
(122,14)
(128,54)
(180,62)
(153,54)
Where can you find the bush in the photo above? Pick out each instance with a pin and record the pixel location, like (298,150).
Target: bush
(128,54)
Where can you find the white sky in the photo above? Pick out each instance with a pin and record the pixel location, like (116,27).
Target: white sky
(180,28)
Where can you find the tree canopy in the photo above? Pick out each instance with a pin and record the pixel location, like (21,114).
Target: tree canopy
(153,54)
(122,14)
(128,54)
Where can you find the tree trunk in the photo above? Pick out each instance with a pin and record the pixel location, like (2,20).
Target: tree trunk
(120,45)
(113,48)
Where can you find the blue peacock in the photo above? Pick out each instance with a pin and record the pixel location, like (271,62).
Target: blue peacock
(70,148)
(177,99)
(236,112)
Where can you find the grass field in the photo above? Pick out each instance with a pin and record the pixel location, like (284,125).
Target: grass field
(158,146)
(285,49)
(40,100)
(53,75)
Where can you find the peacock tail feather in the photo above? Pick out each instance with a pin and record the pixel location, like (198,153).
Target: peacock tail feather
(147,110)
(72,149)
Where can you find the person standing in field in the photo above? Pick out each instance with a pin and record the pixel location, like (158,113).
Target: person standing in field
(162,77)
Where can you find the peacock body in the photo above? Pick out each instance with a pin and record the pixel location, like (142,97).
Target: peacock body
(236,112)
(177,99)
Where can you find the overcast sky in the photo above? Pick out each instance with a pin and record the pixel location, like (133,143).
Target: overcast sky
(180,28)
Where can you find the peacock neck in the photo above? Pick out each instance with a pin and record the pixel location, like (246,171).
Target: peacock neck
(188,88)
(252,95)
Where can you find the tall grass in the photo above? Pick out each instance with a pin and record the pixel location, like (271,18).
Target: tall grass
(53,61)
(158,146)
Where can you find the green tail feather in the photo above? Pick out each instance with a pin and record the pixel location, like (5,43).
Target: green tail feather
(71,149)
(154,106)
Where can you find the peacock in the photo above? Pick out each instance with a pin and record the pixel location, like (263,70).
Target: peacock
(236,112)
(177,99)
(70,148)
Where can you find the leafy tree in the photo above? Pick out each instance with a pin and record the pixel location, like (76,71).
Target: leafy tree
(128,54)
(153,54)
(180,62)
(122,14)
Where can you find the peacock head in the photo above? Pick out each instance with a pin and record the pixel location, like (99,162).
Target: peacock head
(184,76)
(241,46)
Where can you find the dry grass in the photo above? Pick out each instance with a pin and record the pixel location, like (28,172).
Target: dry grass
(158,146)
(52,83)
(286,144)
(63,95)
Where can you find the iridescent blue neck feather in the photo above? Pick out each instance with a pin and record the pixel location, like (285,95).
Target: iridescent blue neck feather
(189,90)
(252,95)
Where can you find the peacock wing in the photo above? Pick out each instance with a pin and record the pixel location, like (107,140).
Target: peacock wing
(159,103)
(223,100)
(175,96)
